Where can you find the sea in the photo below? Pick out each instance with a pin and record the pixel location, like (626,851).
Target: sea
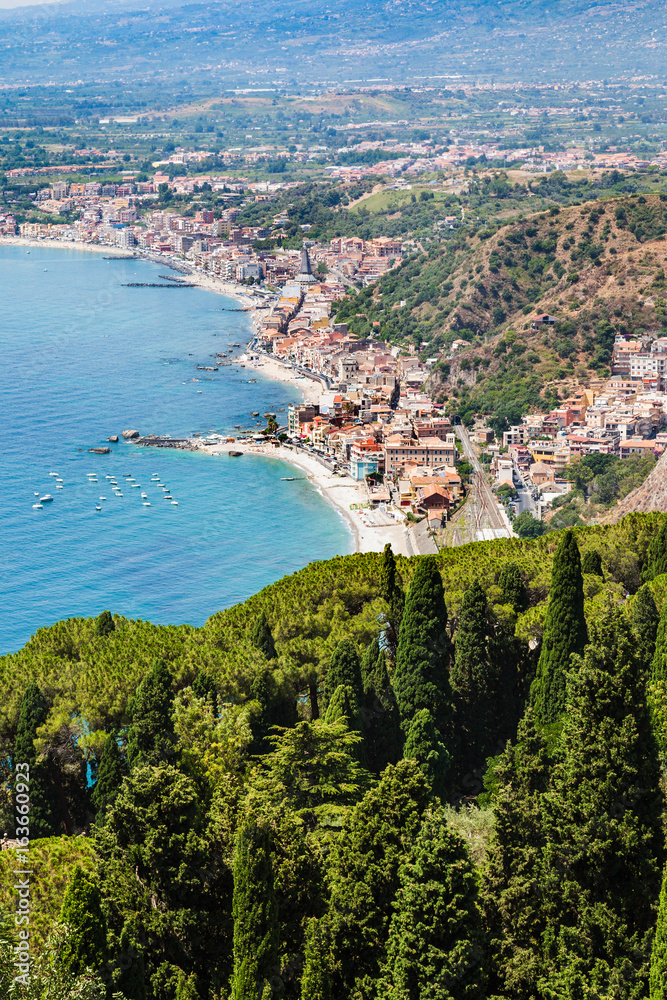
(84,357)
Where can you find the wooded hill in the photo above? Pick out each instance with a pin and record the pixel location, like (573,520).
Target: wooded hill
(282,803)
(599,268)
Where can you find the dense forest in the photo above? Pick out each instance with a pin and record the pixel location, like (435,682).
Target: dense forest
(438,777)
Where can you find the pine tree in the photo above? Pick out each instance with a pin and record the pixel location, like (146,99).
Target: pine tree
(104,624)
(254,912)
(435,943)
(379,712)
(203,686)
(592,563)
(656,556)
(262,637)
(645,620)
(110,776)
(364,876)
(86,943)
(605,848)
(511,890)
(315,980)
(45,813)
(151,736)
(658,974)
(564,632)
(424,744)
(344,668)
(513,586)
(131,977)
(421,678)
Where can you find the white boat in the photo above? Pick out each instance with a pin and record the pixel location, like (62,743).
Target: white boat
(53,473)
(59,487)
(146,503)
(98,508)
(136,486)
(36,494)
(174,503)
(102,498)
(60,480)
(47,498)
(144,496)
(37,506)
(167,497)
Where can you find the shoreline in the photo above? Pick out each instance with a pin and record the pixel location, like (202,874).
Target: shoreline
(339,491)
(370,530)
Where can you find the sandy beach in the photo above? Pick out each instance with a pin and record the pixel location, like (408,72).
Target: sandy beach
(371,529)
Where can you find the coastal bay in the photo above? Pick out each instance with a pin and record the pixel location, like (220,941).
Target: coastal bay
(85,358)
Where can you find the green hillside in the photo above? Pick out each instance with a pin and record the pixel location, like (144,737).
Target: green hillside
(267,806)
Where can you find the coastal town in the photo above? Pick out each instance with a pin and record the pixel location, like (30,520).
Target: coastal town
(372,415)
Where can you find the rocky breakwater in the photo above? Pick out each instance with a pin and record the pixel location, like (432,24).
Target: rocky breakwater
(183,444)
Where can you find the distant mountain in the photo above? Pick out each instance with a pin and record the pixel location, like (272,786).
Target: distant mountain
(406,41)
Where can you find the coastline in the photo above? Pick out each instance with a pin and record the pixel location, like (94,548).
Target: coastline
(368,533)
(370,530)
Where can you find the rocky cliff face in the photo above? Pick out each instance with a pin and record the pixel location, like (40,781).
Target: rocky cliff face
(650,496)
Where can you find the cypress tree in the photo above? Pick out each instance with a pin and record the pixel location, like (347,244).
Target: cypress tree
(656,555)
(513,586)
(391,592)
(131,979)
(344,705)
(476,679)
(645,620)
(388,574)
(110,776)
(344,668)
(605,848)
(564,632)
(511,890)
(379,711)
(658,973)
(364,876)
(254,911)
(45,812)
(262,637)
(421,678)
(86,944)
(435,943)
(423,744)
(151,736)
(315,980)
(592,563)
(104,624)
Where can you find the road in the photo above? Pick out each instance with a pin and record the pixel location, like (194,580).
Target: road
(488,519)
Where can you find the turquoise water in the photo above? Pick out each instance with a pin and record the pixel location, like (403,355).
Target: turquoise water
(81,358)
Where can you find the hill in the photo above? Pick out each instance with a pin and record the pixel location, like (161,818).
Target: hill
(299,41)
(262,785)
(598,268)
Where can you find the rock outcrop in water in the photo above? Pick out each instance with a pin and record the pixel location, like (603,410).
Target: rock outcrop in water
(100,451)
(113,438)
(131,435)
